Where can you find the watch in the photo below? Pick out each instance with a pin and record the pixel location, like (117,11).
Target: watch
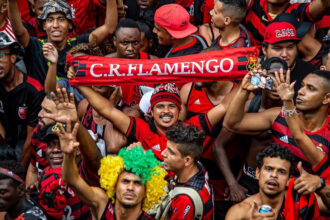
(322,184)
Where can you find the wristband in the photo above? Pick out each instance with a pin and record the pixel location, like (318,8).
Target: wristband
(322,184)
(287,112)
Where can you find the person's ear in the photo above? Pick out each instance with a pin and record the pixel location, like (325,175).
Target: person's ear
(21,190)
(227,20)
(13,58)
(326,99)
(114,41)
(70,25)
(264,50)
(188,160)
(257,173)
(323,67)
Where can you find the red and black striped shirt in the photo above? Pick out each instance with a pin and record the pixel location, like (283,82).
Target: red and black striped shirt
(282,136)
(109,213)
(258,18)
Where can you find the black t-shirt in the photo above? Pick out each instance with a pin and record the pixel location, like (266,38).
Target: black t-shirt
(299,72)
(30,212)
(37,65)
(197,45)
(19,108)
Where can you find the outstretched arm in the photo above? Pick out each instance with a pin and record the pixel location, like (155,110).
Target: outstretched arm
(318,8)
(50,53)
(237,192)
(109,27)
(94,197)
(22,35)
(66,109)
(236,120)
(286,92)
(106,108)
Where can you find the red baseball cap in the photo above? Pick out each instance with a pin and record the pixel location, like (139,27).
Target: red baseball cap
(280,31)
(175,19)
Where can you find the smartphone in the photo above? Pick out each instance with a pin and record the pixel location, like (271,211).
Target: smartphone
(262,81)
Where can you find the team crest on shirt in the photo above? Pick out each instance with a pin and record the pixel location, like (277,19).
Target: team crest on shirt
(22,112)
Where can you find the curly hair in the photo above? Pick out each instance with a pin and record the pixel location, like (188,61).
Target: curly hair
(189,138)
(143,164)
(275,150)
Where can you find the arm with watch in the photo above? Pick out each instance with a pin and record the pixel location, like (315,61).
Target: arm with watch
(286,92)
(306,183)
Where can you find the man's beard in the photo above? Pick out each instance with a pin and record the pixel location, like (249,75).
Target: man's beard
(127,206)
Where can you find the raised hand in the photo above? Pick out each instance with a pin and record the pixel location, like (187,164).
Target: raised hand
(284,89)
(256,215)
(65,105)
(50,52)
(306,183)
(68,137)
(246,82)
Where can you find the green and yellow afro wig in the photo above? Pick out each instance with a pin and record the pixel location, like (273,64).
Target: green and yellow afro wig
(144,164)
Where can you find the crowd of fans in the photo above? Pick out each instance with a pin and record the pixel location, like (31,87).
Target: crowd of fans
(201,150)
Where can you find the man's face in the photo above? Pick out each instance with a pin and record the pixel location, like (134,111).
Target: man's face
(7,61)
(144,3)
(273,176)
(130,191)
(164,38)
(128,43)
(165,114)
(286,50)
(54,154)
(217,17)
(57,27)
(38,6)
(145,43)
(47,106)
(173,159)
(312,93)
(8,194)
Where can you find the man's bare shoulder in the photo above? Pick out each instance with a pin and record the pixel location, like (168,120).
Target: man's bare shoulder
(242,210)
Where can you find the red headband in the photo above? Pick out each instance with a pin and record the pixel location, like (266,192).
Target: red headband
(11,174)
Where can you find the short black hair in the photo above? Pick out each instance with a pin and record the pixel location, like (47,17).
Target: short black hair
(14,166)
(189,138)
(235,9)
(144,28)
(126,23)
(325,74)
(275,150)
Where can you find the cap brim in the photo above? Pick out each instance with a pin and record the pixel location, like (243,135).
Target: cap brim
(303,29)
(179,34)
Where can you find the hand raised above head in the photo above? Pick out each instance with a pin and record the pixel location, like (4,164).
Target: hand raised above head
(65,106)
(284,89)
(67,137)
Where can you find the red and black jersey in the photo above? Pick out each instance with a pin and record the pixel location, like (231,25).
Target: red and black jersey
(95,130)
(38,151)
(323,169)
(75,208)
(258,18)
(299,206)
(151,138)
(243,40)
(195,46)
(109,213)
(93,8)
(199,103)
(282,136)
(19,108)
(182,207)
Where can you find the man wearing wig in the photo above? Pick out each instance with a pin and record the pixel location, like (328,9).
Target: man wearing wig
(133,180)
